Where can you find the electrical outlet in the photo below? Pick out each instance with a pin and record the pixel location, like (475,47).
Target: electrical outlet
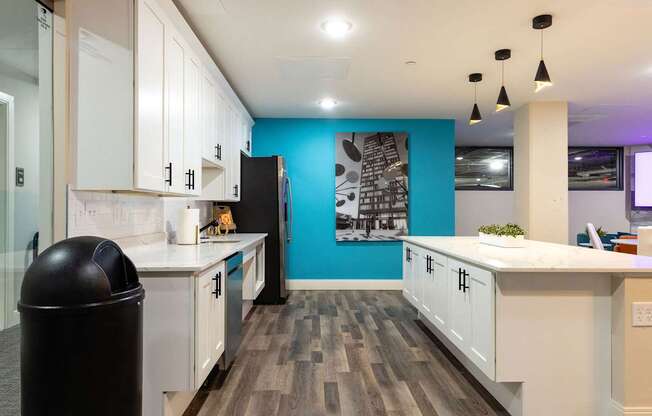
(642,314)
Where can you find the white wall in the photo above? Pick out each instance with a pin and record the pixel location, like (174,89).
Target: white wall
(603,208)
(476,208)
(606,209)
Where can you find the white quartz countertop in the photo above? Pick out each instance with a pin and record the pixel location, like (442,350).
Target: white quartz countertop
(164,257)
(536,256)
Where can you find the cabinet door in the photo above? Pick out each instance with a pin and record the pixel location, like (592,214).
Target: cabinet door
(149,158)
(481,292)
(428,284)
(417,277)
(440,283)
(232,192)
(218,312)
(459,319)
(174,82)
(192,141)
(407,272)
(204,332)
(220,155)
(209,118)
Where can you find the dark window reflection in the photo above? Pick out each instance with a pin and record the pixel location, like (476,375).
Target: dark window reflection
(595,168)
(483,168)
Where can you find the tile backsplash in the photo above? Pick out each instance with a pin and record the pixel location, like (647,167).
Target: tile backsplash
(123,215)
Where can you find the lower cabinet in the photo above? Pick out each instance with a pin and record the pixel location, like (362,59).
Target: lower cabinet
(209,321)
(457,298)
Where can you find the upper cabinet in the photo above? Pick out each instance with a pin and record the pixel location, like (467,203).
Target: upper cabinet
(151,112)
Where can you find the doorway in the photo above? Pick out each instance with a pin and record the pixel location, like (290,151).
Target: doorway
(26,168)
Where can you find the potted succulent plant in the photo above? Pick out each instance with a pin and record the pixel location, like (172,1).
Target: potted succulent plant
(508,235)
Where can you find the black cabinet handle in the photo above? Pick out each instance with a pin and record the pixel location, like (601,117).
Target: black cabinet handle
(169,179)
(189,176)
(428,264)
(235,190)
(465,287)
(248,145)
(218,152)
(218,283)
(459,279)
(408,253)
(192,179)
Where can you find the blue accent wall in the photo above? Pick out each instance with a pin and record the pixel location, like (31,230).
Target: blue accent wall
(308,146)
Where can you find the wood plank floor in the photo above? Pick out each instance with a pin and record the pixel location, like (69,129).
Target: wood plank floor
(342,353)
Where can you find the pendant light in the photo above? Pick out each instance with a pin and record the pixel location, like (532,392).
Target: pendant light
(542,79)
(475,114)
(503,100)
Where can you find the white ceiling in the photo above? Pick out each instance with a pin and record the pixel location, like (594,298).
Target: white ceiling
(280,63)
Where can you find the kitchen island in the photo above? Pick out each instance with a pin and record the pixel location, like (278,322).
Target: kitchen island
(548,329)
(185,311)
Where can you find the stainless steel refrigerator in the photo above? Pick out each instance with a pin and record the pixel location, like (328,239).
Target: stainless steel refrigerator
(266,207)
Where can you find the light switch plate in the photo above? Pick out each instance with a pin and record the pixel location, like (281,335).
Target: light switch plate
(642,314)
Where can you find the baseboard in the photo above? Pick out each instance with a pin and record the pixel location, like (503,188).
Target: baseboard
(617,409)
(344,284)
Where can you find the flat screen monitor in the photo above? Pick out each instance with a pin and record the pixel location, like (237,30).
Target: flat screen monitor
(643,180)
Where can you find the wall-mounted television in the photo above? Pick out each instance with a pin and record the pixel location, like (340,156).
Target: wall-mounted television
(643,180)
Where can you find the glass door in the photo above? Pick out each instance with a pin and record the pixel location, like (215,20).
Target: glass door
(26,168)
(26,139)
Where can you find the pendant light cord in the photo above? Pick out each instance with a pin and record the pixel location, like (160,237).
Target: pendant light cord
(542,45)
(502,76)
(475,93)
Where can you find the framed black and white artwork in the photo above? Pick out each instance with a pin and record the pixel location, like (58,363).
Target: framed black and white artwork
(371,186)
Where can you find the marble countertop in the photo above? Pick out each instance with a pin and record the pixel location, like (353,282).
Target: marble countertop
(536,256)
(163,257)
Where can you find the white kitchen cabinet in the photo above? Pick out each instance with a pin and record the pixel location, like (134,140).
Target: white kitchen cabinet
(150,151)
(457,298)
(414,276)
(192,145)
(245,135)
(439,287)
(407,273)
(459,320)
(427,277)
(174,115)
(172,109)
(232,188)
(209,321)
(482,343)
(253,275)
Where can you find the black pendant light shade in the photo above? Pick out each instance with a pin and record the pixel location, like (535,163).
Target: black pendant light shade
(542,78)
(476,117)
(503,100)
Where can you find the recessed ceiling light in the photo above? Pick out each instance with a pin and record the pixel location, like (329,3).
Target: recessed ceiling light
(459,158)
(336,28)
(410,63)
(327,103)
(577,158)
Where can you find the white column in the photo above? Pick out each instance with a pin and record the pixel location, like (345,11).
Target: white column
(541,170)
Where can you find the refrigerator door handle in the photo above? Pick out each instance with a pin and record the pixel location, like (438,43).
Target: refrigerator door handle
(288,208)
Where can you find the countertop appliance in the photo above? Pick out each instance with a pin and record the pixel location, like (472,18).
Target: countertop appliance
(233,335)
(266,207)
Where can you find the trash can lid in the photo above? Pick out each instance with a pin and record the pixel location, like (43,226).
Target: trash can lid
(78,271)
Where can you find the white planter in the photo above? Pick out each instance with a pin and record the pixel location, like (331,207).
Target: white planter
(502,240)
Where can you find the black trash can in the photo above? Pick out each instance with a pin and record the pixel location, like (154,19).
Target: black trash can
(81,315)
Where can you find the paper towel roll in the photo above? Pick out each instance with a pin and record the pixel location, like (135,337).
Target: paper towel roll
(644,241)
(188,226)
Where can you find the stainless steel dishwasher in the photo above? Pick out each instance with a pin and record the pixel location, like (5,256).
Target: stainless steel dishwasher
(233,320)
